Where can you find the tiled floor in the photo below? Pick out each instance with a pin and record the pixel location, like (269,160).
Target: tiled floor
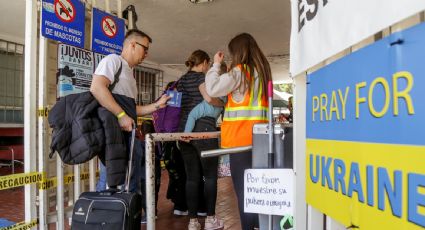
(226,208)
(12,205)
(12,200)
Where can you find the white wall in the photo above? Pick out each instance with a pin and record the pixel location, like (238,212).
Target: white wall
(169,74)
(12,38)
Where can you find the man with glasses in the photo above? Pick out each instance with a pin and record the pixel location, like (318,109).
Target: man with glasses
(118,97)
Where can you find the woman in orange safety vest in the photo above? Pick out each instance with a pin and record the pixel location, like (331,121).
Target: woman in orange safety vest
(246,88)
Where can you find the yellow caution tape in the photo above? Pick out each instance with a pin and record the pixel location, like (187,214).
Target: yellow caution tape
(141,119)
(43,112)
(22,225)
(84,176)
(48,183)
(67,179)
(20,179)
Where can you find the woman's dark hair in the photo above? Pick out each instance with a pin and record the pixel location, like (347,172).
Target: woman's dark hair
(169,85)
(196,58)
(244,50)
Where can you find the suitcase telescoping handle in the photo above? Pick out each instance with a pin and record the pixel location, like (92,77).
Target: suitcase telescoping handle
(130,161)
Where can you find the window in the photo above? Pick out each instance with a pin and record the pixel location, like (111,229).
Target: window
(149,84)
(11,82)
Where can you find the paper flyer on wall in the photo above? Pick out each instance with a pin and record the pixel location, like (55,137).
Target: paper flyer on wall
(75,69)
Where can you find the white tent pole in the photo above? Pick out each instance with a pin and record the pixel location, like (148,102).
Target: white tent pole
(107,6)
(130,20)
(92,162)
(300,94)
(43,210)
(30,80)
(59,195)
(119,8)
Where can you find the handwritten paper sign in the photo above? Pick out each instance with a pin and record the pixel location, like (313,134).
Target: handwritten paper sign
(269,191)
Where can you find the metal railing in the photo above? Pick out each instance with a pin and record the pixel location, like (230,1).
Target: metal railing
(12,153)
(150,165)
(220,152)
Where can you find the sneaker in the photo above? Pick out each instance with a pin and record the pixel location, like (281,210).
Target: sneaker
(144,221)
(202,214)
(180,213)
(194,225)
(213,223)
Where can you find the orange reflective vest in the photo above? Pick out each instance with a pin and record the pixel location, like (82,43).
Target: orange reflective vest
(240,117)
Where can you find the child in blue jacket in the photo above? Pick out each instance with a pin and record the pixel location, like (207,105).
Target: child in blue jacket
(204,109)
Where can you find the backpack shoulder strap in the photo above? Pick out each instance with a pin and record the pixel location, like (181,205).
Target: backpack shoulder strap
(116,78)
(174,85)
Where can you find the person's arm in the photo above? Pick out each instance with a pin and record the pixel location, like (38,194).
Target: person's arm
(99,89)
(211,100)
(148,109)
(221,85)
(191,120)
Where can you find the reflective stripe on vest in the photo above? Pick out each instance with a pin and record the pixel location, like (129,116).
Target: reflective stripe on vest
(256,109)
(245,115)
(240,117)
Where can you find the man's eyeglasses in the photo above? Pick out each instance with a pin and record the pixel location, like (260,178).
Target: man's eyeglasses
(145,48)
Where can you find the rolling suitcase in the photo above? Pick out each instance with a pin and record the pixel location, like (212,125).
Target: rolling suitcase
(109,210)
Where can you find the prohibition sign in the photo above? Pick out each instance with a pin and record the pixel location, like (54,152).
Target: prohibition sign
(65,10)
(109,26)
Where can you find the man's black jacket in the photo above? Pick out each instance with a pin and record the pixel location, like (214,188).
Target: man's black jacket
(83,129)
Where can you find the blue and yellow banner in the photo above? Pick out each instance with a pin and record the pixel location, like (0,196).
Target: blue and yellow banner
(365,147)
